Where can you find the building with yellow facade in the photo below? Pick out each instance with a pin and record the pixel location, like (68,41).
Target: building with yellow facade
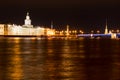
(26,29)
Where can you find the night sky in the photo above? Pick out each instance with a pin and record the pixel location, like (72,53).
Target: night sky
(79,14)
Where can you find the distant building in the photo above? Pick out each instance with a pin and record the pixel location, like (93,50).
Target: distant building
(26,29)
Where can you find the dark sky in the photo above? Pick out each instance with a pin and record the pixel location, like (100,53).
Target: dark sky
(82,14)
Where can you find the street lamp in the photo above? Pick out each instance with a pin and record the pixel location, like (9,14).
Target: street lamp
(92,32)
(98,31)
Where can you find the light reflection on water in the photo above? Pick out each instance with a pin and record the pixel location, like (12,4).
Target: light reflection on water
(36,59)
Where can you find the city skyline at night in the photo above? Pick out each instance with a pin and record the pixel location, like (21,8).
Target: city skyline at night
(29,30)
(85,15)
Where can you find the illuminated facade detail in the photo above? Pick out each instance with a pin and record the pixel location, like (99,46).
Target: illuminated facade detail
(1,29)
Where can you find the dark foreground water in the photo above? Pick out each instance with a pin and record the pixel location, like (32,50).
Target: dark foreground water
(36,59)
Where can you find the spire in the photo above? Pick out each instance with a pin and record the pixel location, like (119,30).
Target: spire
(51,24)
(27,13)
(27,16)
(106,28)
(106,24)
(67,30)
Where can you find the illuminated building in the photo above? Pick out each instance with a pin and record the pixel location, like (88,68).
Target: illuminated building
(26,29)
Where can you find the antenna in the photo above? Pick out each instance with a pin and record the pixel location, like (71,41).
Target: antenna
(106,23)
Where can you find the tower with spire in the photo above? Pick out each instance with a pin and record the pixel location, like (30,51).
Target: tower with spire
(106,28)
(27,21)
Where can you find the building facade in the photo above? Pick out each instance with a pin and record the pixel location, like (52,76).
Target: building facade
(26,29)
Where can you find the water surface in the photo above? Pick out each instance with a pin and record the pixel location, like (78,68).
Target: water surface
(40,59)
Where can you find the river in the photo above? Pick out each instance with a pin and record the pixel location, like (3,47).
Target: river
(59,59)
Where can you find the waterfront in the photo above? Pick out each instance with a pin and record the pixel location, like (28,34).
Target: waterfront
(43,59)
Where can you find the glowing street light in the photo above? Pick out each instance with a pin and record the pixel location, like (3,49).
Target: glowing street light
(81,31)
(98,31)
(92,32)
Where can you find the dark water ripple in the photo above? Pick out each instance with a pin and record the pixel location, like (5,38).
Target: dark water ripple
(36,59)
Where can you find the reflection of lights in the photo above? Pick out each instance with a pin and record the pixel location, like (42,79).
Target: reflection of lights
(15,70)
(50,51)
(17,47)
(66,55)
(17,39)
(33,38)
(38,38)
(66,74)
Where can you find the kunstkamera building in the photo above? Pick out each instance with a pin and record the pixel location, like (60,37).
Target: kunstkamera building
(26,29)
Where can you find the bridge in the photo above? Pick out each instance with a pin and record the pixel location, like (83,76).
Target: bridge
(112,35)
